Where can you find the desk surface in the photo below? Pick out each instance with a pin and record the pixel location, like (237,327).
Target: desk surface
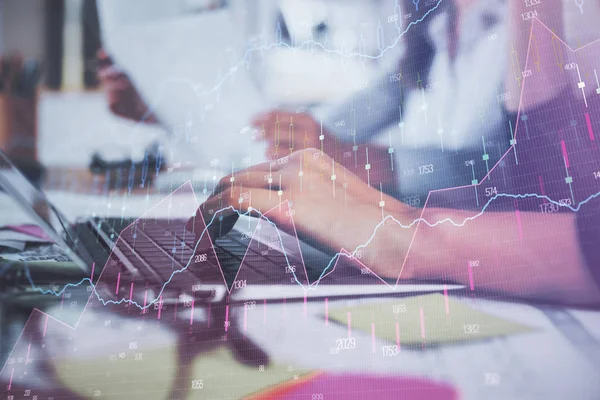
(512,367)
(550,362)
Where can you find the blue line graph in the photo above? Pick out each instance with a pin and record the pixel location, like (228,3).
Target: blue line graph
(333,259)
(308,43)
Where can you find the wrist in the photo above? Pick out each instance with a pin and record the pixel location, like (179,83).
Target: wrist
(433,252)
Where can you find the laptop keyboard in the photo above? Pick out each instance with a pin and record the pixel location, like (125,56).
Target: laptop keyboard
(157,248)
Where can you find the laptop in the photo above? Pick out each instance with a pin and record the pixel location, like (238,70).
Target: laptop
(253,261)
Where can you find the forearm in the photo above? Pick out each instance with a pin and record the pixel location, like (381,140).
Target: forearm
(543,262)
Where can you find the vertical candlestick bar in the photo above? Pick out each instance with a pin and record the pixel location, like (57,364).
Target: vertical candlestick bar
(159,306)
(589,126)
(118,283)
(226,318)
(62,300)
(208,315)
(471,283)
(264,311)
(519,224)
(145,299)
(446,302)
(192,313)
(563,146)
(326,311)
(245,318)
(131,292)
(92,274)
(422,317)
(45,326)
(28,350)
(349,324)
(398,336)
(542,188)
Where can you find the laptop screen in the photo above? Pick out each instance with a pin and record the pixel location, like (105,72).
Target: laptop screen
(34,203)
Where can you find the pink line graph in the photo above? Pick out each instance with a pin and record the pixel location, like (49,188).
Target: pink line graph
(414,234)
(346,253)
(535,21)
(517,130)
(487,176)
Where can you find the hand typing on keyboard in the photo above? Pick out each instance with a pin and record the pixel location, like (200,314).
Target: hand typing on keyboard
(326,202)
(309,193)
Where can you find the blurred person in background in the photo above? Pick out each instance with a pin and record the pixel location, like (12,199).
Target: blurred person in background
(528,253)
(452,97)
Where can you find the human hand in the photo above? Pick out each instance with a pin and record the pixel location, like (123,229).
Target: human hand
(123,98)
(286,132)
(309,194)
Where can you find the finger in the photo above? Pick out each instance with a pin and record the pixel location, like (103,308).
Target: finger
(315,161)
(258,176)
(283,172)
(256,203)
(243,180)
(263,168)
(219,218)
